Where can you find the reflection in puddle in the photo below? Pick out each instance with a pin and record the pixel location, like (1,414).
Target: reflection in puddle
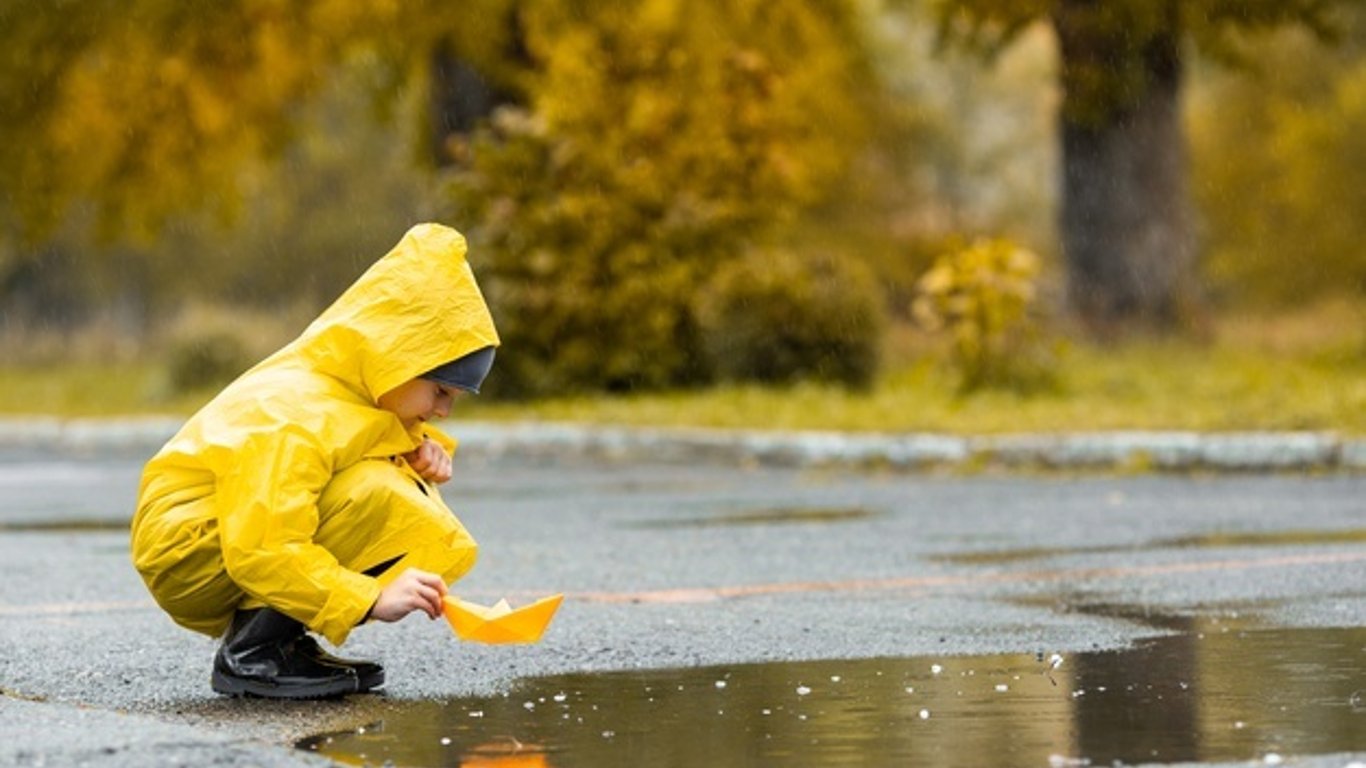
(787,515)
(1204,541)
(1216,692)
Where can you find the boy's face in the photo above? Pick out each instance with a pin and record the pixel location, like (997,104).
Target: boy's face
(419,400)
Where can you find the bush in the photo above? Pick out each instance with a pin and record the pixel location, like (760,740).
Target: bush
(772,317)
(211,345)
(659,141)
(983,298)
(199,362)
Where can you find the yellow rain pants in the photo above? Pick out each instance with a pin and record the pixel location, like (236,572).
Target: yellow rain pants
(289,484)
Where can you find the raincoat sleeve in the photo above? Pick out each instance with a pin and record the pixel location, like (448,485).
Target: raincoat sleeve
(267,517)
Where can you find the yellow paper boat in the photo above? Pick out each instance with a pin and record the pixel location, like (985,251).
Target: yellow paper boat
(499,623)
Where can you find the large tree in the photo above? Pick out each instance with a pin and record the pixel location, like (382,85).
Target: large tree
(648,143)
(1125,223)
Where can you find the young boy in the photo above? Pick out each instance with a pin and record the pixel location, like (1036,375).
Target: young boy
(303,497)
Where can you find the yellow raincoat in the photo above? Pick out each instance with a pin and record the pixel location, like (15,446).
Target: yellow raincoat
(287,486)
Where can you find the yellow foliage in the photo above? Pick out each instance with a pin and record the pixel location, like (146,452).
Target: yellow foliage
(983,297)
(662,138)
(157,104)
(1280,172)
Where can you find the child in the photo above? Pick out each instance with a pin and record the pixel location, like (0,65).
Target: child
(303,497)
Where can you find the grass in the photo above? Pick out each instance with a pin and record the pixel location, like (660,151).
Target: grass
(86,389)
(1147,389)
(1305,371)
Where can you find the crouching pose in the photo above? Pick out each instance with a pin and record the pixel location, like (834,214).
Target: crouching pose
(304,496)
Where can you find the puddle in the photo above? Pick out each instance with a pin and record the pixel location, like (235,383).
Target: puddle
(781,516)
(1218,692)
(1203,541)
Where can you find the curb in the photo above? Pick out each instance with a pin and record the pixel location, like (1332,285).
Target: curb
(1123,450)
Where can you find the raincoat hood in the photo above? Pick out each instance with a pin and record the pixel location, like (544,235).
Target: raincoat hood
(416,308)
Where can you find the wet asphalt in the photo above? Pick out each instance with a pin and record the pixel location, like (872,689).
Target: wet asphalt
(665,566)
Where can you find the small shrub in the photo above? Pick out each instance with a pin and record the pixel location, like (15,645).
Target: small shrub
(983,298)
(210,345)
(774,318)
(198,362)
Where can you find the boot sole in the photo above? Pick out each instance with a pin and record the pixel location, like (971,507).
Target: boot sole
(371,682)
(323,689)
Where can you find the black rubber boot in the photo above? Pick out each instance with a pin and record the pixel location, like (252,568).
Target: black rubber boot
(370,675)
(261,655)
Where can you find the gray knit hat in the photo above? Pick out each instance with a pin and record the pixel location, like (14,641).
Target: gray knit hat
(466,372)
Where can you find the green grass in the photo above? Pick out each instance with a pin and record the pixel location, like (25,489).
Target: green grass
(1302,372)
(91,390)
(1150,389)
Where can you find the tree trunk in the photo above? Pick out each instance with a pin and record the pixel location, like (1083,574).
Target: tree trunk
(1126,234)
(459,98)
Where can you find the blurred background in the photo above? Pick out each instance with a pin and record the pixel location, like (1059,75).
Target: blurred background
(864,214)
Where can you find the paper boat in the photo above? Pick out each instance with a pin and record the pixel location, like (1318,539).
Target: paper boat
(499,623)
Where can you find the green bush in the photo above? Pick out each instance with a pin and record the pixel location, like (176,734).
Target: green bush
(198,362)
(773,317)
(983,298)
(209,345)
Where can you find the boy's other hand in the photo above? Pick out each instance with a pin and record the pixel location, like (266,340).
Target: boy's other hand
(430,461)
(413,590)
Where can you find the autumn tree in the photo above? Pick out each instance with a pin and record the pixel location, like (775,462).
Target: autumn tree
(643,145)
(1126,227)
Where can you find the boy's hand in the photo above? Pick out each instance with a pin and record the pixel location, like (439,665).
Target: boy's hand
(413,590)
(430,461)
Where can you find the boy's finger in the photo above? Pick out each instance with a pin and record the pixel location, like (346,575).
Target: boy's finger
(423,601)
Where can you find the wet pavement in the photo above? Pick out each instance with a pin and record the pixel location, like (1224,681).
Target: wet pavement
(1210,619)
